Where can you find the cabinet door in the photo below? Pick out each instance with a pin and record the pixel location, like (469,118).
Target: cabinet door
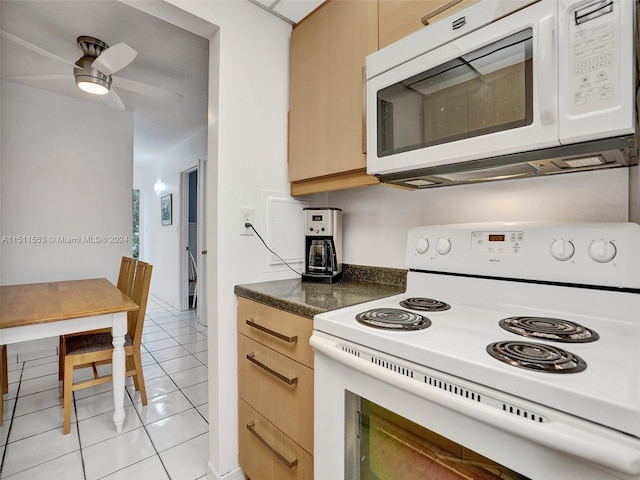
(326,121)
(399,18)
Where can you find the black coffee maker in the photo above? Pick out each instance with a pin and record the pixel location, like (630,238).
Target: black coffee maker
(323,245)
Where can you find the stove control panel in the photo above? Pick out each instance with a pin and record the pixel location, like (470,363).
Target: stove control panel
(602,254)
(497,243)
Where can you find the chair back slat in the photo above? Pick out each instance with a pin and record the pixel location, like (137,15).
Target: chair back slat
(139,294)
(127,275)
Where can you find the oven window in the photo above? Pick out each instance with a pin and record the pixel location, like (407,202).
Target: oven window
(485,91)
(382,445)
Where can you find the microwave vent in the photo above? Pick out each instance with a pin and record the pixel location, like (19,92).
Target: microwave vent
(492,173)
(585,162)
(597,154)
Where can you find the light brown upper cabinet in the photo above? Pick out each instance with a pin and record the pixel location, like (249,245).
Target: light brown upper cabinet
(327,135)
(399,18)
(327,124)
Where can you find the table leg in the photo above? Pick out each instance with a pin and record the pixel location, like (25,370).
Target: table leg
(118,331)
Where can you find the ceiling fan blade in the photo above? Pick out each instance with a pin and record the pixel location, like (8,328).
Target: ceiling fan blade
(35,78)
(114,58)
(146,89)
(113,101)
(35,48)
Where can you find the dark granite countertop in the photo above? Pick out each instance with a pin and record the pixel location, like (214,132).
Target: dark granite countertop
(359,284)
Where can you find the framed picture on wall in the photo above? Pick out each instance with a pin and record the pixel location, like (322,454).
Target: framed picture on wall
(166,210)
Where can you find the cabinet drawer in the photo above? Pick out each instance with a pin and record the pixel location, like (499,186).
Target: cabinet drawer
(279,388)
(283,331)
(265,453)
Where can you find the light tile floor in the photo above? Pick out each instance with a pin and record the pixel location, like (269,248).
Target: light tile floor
(167,439)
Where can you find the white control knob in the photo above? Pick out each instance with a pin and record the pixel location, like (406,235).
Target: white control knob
(443,246)
(562,250)
(602,251)
(422,245)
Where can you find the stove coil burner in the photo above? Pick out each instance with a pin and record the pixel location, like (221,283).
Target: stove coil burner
(424,304)
(553,329)
(393,319)
(536,356)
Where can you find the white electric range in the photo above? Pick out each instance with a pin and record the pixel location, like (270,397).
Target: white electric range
(519,341)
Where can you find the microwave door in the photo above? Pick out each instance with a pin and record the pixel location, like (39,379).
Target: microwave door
(487,93)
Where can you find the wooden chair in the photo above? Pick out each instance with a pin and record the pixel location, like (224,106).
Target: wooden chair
(125,284)
(95,348)
(126,275)
(4,379)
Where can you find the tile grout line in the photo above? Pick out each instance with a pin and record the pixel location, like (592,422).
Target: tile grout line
(75,409)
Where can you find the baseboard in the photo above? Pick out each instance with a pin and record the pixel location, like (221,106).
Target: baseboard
(235,474)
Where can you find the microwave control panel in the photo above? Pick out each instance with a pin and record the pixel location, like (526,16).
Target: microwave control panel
(594,47)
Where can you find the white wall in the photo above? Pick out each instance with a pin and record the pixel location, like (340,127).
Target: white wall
(160,245)
(67,168)
(376,219)
(247,156)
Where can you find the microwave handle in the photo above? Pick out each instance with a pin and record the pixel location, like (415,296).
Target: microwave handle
(546,86)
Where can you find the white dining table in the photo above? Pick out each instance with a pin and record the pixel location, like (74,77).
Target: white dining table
(41,310)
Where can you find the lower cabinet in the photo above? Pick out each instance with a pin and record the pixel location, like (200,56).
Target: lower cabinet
(275,390)
(268,454)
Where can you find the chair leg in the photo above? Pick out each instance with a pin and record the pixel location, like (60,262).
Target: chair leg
(67,393)
(5,370)
(3,379)
(139,377)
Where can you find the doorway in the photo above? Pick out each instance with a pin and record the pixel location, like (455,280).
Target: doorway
(189,244)
(193,241)
(192,237)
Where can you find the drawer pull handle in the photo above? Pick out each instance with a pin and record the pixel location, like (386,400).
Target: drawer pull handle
(289,381)
(425,19)
(279,456)
(252,323)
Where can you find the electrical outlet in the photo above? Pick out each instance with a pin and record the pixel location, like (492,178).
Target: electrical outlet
(246,216)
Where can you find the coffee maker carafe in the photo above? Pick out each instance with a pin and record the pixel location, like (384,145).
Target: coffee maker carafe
(323,245)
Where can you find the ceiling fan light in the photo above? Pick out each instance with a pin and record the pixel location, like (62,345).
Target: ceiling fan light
(92,87)
(89,79)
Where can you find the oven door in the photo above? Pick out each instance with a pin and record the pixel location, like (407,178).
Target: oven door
(490,92)
(380,444)
(356,412)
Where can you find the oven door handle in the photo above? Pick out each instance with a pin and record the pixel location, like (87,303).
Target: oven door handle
(589,442)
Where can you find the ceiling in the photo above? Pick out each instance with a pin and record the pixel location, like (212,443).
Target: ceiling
(289,10)
(169,57)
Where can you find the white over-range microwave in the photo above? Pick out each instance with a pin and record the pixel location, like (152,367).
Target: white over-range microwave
(501,90)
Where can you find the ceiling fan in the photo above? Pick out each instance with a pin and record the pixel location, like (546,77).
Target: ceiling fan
(93,72)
